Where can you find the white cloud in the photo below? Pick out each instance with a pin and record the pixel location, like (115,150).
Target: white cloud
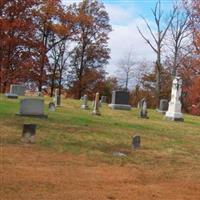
(125,37)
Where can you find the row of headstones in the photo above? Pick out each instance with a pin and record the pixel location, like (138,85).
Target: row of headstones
(120,101)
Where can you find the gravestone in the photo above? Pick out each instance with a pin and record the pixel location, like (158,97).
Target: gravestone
(174,111)
(40,94)
(136,142)
(17,89)
(120,100)
(96,105)
(103,99)
(33,107)
(84,102)
(163,107)
(52,107)
(57,99)
(143,108)
(11,96)
(28,134)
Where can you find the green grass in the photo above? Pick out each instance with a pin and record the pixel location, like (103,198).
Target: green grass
(71,129)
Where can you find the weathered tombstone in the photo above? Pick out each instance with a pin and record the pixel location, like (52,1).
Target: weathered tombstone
(143,109)
(163,107)
(17,89)
(52,107)
(120,100)
(174,111)
(85,102)
(11,96)
(96,106)
(33,107)
(103,99)
(40,94)
(136,142)
(28,134)
(57,99)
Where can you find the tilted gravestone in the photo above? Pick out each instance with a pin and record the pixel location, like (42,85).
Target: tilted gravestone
(120,100)
(33,107)
(143,109)
(17,89)
(136,142)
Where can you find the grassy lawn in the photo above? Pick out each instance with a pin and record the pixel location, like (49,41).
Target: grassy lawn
(71,129)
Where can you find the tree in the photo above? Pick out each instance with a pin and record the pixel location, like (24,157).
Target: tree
(17,40)
(158,39)
(126,69)
(91,49)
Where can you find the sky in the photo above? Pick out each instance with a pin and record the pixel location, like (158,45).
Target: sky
(125,16)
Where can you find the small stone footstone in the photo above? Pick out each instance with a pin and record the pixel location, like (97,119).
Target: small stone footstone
(136,142)
(52,107)
(28,134)
(119,154)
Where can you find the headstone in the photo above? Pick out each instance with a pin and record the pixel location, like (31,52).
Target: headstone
(103,99)
(85,102)
(17,89)
(163,107)
(136,142)
(174,111)
(33,107)
(40,94)
(120,100)
(28,134)
(11,96)
(52,107)
(57,99)
(143,108)
(96,105)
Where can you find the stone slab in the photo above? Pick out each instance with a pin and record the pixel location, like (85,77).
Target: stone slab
(119,107)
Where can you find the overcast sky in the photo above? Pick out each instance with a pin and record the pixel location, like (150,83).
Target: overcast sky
(125,16)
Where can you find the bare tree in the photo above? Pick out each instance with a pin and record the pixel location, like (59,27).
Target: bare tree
(125,72)
(178,40)
(158,38)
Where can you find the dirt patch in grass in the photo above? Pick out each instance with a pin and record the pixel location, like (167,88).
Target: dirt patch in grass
(29,173)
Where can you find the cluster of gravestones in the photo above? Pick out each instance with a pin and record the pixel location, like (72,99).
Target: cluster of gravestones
(34,107)
(120,99)
(31,107)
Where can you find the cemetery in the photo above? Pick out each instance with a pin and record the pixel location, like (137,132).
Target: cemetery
(100,100)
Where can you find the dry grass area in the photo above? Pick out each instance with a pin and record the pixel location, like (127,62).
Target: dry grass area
(73,158)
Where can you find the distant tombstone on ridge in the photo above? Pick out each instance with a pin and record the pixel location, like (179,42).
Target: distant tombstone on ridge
(17,89)
(143,108)
(163,107)
(120,100)
(57,99)
(136,142)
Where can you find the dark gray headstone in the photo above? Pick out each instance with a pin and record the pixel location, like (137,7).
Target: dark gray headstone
(103,99)
(17,89)
(163,105)
(120,97)
(136,142)
(32,107)
(28,134)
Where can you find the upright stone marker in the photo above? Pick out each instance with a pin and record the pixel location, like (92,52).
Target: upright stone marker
(52,107)
(96,105)
(17,89)
(163,107)
(143,109)
(136,142)
(103,99)
(32,107)
(174,111)
(28,134)
(57,99)
(120,100)
(85,102)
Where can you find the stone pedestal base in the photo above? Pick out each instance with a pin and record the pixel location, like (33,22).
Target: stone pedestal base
(174,116)
(119,106)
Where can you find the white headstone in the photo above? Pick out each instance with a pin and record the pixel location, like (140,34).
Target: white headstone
(85,102)
(174,109)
